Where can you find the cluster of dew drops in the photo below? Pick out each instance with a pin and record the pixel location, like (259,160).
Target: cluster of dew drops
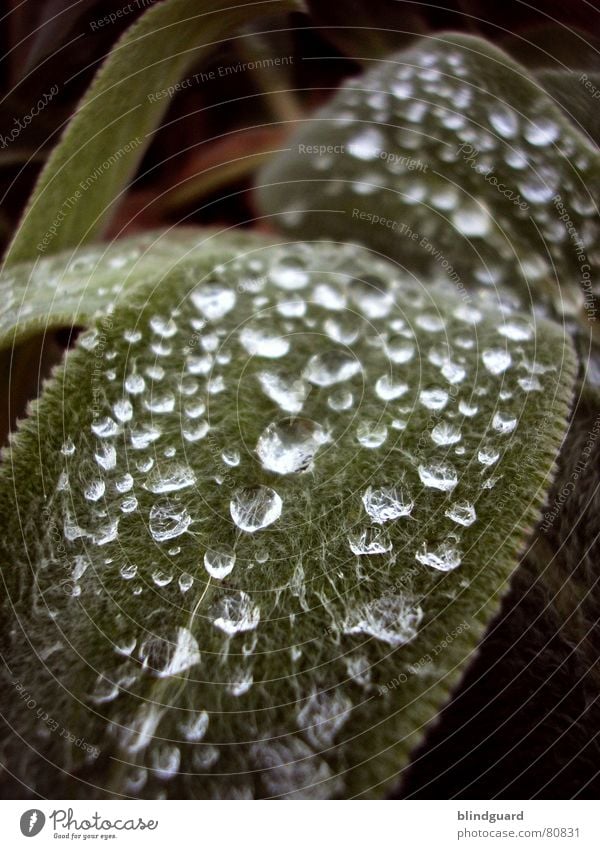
(406,130)
(353,307)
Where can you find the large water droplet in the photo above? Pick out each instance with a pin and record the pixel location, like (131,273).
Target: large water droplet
(213,300)
(462,512)
(384,504)
(440,476)
(235,614)
(504,422)
(259,341)
(393,619)
(331,367)
(443,557)
(170,478)
(170,656)
(168,520)
(290,445)
(287,392)
(388,389)
(445,434)
(372,539)
(496,360)
(219,561)
(371,434)
(323,716)
(433,399)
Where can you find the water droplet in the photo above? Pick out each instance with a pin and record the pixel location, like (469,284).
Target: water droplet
(323,716)
(195,727)
(371,434)
(194,433)
(135,384)
(254,508)
(235,614)
(163,326)
(440,476)
(160,578)
(468,410)
(543,132)
(393,619)
(204,757)
(530,384)
(170,478)
(287,392)
(219,562)
(132,336)
(504,422)
(340,399)
(242,683)
(367,145)
(399,350)
(128,505)
(443,557)
(124,483)
(165,760)
(289,272)
(488,454)
(106,457)
(388,389)
(496,360)
(144,436)
(461,512)
(290,445)
(504,120)
(165,657)
(213,300)
(105,427)
(79,567)
(445,434)
(128,571)
(259,341)
(384,504)
(123,410)
(186,582)
(372,539)
(516,332)
(94,490)
(68,447)
(431,322)
(199,365)
(231,457)
(161,402)
(168,520)
(331,367)
(433,399)
(453,372)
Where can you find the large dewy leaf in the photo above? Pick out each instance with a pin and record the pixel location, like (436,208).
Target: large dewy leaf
(452,160)
(104,142)
(252,553)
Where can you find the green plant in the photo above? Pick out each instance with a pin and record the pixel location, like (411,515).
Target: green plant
(260,517)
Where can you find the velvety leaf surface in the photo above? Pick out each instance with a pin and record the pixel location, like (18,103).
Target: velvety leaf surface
(449,158)
(75,286)
(257,525)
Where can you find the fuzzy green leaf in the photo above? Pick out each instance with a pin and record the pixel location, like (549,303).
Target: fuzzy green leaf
(77,286)
(257,525)
(104,142)
(449,158)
